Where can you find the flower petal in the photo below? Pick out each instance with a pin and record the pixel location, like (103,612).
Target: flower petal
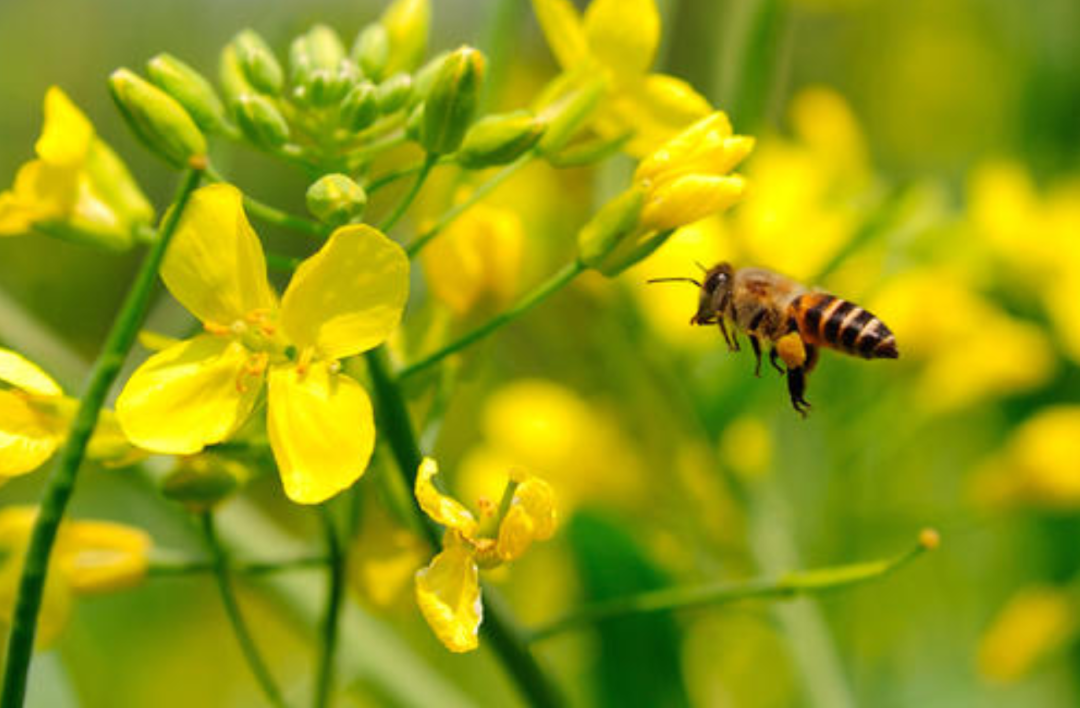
(67,133)
(531,518)
(656,109)
(623,35)
(191,395)
(448,593)
(348,297)
(24,375)
(564,31)
(100,556)
(29,434)
(690,198)
(322,431)
(215,265)
(441,508)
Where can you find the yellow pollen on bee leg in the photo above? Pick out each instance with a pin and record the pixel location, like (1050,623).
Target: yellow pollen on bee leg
(791,349)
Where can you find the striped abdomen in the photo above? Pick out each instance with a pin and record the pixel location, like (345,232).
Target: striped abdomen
(827,320)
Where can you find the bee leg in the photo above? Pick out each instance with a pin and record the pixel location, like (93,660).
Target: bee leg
(774,359)
(796,383)
(756,345)
(811,358)
(732,342)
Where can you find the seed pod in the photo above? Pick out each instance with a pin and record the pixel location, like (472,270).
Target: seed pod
(190,89)
(157,119)
(394,93)
(261,121)
(450,106)
(260,66)
(360,107)
(499,139)
(372,50)
(336,200)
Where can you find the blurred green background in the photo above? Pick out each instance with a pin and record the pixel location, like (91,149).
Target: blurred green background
(920,158)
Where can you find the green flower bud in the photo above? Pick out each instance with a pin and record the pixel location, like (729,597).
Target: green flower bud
(394,93)
(201,481)
(324,87)
(360,107)
(336,200)
(318,48)
(588,152)
(415,123)
(407,23)
(234,82)
(261,121)
(452,102)
(157,119)
(371,50)
(190,89)
(260,66)
(568,113)
(610,227)
(499,139)
(425,77)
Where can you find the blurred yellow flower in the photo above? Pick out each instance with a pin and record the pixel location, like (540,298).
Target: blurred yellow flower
(1034,624)
(384,555)
(77,187)
(89,557)
(344,300)
(35,416)
(448,589)
(477,260)
(746,446)
(617,40)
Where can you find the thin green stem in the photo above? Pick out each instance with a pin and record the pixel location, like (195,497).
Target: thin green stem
(542,292)
(272,215)
(61,482)
(458,209)
(179,568)
(232,609)
(786,587)
(499,626)
(335,590)
(399,211)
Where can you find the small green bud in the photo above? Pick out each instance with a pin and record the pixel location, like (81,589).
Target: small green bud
(611,226)
(201,481)
(261,121)
(499,139)
(394,93)
(325,87)
(260,66)
(360,107)
(588,152)
(190,89)
(372,50)
(336,200)
(425,77)
(568,113)
(234,83)
(157,119)
(452,102)
(415,123)
(318,48)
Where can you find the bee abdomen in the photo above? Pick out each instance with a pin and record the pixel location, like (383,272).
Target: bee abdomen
(833,322)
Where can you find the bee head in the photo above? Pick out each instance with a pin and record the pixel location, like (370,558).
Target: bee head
(715,292)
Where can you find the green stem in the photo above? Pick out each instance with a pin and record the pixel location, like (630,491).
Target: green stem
(458,209)
(272,215)
(170,569)
(399,211)
(232,609)
(546,289)
(334,593)
(786,587)
(388,178)
(61,482)
(499,626)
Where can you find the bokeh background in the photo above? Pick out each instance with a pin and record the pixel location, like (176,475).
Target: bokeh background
(920,158)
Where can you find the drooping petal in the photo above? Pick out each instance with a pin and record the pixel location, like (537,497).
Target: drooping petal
(322,431)
(191,395)
(690,198)
(448,593)
(215,265)
(100,556)
(531,517)
(67,133)
(30,432)
(656,109)
(441,508)
(564,30)
(348,297)
(623,35)
(24,375)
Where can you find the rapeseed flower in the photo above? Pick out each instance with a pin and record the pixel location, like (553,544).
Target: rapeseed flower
(77,187)
(448,589)
(344,300)
(1036,623)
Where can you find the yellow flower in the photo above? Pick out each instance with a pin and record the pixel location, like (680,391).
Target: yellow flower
(383,556)
(686,179)
(77,188)
(448,589)
(617,40)
(35,416)
(1035,623)
(344,300)
(477,260)
(89,557)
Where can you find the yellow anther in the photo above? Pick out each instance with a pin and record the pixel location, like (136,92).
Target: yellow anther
(486,507)
(304,360)
(216,329)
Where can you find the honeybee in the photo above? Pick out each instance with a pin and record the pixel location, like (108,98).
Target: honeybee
(792,319)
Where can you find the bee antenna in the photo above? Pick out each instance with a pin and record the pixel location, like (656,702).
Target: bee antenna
(703,268)
(674,280)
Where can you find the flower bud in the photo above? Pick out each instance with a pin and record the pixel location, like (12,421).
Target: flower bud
(157,118)
(568,113)
(415,123)
(201,481)
(613,224)
(261,121)
(360,107)
(257,61)
(499,139)
(588,152)
(394,93)
(325,87)
(336,199)
(371,50)
(407,23)
(190,89)
(452,102)
(318,48)
(424,79)
(234,82)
